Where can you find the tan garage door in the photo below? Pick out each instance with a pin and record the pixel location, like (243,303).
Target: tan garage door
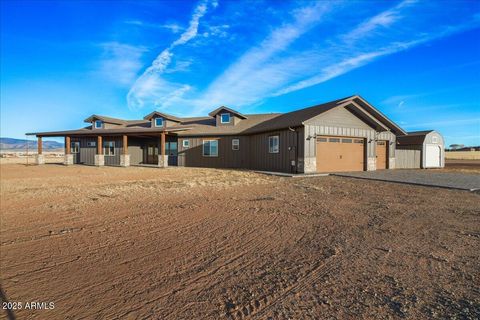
(382,155)
(336,154)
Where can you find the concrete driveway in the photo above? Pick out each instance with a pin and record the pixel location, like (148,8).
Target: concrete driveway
(431,178)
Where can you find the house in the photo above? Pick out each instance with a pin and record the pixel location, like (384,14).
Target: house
(348,134)
(421,149)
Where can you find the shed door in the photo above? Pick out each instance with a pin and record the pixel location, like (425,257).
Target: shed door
(432,156)
(336,154)
(382,154)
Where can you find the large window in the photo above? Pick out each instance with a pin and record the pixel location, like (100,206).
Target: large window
(235,144)
(210,148)
(75,146)
(109,148)
(225,118)
(98,124)
(158,122)
(273,144)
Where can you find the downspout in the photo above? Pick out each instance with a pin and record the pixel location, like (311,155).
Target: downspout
(296,148)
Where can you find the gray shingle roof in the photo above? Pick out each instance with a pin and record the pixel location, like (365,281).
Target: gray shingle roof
(250,123)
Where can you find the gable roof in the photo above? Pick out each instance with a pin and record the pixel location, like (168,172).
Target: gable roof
(251,123)
(163,115)
(105,119)
(217,111)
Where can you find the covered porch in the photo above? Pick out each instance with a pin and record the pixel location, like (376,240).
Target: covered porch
(152,149)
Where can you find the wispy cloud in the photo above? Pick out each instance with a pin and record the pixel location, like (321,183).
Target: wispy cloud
(145,86)
(173,27)
(120,63)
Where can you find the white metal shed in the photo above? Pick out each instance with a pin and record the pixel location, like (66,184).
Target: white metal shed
(423,149)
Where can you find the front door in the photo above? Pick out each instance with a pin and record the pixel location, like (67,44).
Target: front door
(382,155)
(171,150)
(151,154)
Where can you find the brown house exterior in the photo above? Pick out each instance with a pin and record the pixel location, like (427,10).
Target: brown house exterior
(348,134)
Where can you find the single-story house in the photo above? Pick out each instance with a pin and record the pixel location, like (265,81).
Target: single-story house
(347,134)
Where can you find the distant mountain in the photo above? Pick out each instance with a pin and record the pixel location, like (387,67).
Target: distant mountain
(21,144)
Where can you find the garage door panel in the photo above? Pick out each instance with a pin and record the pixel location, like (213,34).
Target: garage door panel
(336,154)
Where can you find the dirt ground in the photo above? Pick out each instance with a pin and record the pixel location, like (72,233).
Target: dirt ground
(180,243)
(472,166)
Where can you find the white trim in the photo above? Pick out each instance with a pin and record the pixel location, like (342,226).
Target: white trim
(95,124)
(237,144)
(72,143)
(273,149)
(106,144)
(225,114)
(187,145)
(155,122)
(210,148)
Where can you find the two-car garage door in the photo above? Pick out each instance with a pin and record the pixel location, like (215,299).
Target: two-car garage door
(336,154)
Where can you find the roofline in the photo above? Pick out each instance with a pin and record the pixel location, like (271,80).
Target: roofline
(103,132)
(216,111)
(403,132)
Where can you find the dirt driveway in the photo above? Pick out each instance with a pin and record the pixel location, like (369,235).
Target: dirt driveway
(136,243)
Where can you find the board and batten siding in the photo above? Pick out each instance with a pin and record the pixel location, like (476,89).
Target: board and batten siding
(227,157)
(87,153)
(115,159)
(408,159)
(253,153)
(343,123)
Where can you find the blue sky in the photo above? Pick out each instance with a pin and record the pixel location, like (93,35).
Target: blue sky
(417,61)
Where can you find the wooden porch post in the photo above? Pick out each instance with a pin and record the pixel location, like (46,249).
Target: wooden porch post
(99,145)
(162,146)
(39,145)
(125,144)
(67,145)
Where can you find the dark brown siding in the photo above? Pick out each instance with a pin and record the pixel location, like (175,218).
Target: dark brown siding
(253,153)
(227,158)
(87,154)
(115,159)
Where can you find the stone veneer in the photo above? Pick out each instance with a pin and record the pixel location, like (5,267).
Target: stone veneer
(124,160)
(371,164)
(40,159)
(99,160)
(162,161)
(68,159)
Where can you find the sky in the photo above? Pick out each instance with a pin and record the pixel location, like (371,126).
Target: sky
(418,62)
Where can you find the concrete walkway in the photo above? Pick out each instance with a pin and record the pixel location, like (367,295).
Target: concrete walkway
(430,178)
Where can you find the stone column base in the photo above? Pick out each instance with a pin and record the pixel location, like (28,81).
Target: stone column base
(68,160)
(162,161)
(371,164)
(99,160)
(125,160)
(310,165)
(39,159)
(391,163)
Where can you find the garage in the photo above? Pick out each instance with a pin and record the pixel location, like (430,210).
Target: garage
(382,155)
(335,154)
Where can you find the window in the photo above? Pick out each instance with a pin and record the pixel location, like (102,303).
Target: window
(225,118)
(75,146)
(273,142)
(158,122)
(98,124)
(346,140)
(381,143)
(358,141)
(322,139)
(334,140)
(210,148)
(109,148)
(235,144)
(434,139)
(186,143)
(91,144)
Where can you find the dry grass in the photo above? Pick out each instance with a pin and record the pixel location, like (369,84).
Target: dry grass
(462,155)
(186,243)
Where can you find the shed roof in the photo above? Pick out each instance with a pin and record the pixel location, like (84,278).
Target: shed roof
(413,138)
